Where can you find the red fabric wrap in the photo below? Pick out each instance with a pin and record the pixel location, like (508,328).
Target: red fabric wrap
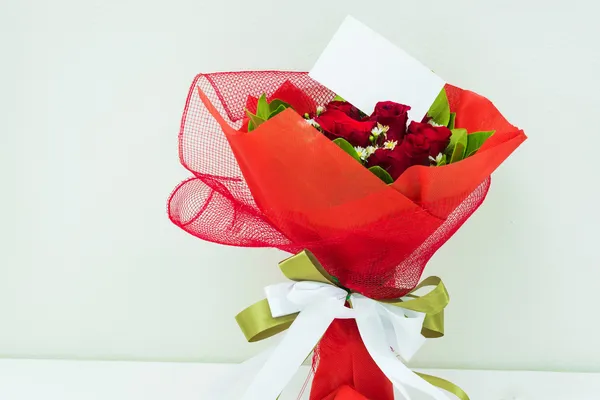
(285,185)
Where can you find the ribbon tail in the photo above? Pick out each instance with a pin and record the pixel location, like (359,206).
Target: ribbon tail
(373,335)
(446,385)
(230,387)
(300,339)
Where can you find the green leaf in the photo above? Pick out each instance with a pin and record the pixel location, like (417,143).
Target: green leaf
(262,108)
(475,140)
(458,153)
(277,111)
(255,121)
(458,134)
(276,103)
(452,119)
(338,98)
(440,109)
(457,146)
(382,174)
(348,148)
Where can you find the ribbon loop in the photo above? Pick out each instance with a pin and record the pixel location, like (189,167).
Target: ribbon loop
(304,266)
(432,304)
(257,323)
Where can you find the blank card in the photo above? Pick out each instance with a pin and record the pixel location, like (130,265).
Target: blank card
(363,67)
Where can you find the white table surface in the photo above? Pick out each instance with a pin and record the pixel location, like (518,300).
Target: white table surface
(107,380)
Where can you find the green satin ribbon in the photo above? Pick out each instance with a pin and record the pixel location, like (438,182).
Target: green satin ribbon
(257,323)
(444,384)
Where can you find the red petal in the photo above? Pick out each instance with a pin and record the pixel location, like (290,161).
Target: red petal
(295,97)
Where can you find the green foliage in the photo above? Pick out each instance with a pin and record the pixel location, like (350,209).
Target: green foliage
(439,111)
(262,108)
(475,140)
(382,174)
(255,121)
(348,148)
(276,103)
(452,120)
(279,109)
(457,146)
(265,111)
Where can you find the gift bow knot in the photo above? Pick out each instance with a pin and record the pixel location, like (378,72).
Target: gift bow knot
(392,330)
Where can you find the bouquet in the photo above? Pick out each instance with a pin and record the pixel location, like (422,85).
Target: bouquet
(361,199)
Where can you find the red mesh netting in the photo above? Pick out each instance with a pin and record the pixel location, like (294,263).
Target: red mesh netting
(285,185)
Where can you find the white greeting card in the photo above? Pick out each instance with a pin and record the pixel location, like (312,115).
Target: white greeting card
(363,67)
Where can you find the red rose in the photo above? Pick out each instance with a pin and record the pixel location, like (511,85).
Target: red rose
(336,123)
(381,157)
(385,159)
(414,150)
(390,109)
(346,108)
(438,137)
(394,115)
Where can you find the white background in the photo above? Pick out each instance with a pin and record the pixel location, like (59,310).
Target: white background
(91,97)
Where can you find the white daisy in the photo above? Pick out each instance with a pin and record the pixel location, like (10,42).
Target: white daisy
(313,123)
(370,150)
(390,144)
(379,129)
(437,159)
(362,152)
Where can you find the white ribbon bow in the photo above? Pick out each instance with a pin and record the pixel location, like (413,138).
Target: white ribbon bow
(387,332)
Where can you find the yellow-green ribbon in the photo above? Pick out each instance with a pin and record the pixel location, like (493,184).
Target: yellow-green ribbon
(257,323)
(444,384)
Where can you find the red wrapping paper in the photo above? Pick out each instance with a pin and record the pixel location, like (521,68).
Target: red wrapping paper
(285,185)
(346,393)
